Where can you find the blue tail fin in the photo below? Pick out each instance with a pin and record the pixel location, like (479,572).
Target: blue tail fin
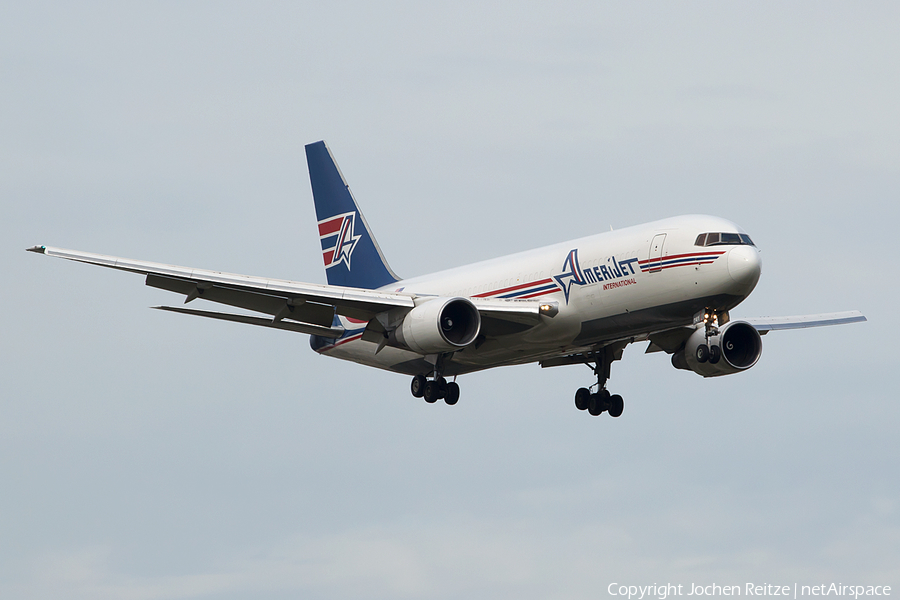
(352,256)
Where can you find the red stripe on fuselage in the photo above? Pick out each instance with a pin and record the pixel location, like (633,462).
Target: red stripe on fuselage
(690,264)
(513,288)
(544,293)
(674,256)
(344,341)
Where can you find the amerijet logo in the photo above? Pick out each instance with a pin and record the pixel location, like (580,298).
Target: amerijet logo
(571,274)
(611,270)
(338,239)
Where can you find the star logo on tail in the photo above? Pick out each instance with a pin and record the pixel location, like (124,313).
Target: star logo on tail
(346,241)
(338,238)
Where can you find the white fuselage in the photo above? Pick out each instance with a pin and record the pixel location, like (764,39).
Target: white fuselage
(623,284)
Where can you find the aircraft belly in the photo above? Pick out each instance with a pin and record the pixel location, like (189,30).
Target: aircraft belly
(507,350)
(363,352)
(650,319)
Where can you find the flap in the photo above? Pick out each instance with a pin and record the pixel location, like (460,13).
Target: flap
(328,332)
(351,302)
(306,312)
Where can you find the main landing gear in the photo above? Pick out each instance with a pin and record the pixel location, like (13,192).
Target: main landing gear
(601,400)
(436,388)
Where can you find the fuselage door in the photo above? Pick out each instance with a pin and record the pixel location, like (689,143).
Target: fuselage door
(656,253)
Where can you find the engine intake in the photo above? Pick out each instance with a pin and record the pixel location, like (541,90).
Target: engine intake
(738,341)
(439,325)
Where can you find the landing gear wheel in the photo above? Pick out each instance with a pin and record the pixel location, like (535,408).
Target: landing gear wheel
(598,403)
(702,353)
(417,387)
(451,396)
(616,405)
(431,391)
(582,398)
(715,353)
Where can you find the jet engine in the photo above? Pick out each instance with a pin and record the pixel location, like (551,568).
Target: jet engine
(439,325)
(735,348)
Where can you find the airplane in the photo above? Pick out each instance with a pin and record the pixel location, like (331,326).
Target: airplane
(671,283)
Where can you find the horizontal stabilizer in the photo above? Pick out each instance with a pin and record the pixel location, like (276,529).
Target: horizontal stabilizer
(326,332)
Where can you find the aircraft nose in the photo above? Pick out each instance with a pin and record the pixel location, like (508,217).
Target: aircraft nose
(744,265)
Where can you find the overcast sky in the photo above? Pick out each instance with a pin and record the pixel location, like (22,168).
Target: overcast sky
(146,455)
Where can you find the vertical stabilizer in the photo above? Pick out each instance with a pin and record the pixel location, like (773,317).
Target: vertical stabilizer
(351,254)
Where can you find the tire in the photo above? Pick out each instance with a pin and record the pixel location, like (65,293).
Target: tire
(715,353)
(596,406)
(451,396)
(702,353)
(431,392)
(417,387)
(582,398)
(616,405)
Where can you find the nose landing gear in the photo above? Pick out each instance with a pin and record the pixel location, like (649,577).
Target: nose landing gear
(711,319)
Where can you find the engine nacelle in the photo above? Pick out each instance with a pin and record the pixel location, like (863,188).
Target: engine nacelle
(740,345)
(439,325)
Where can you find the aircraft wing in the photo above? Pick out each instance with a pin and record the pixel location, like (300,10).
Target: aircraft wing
(671,340)
(294,306)
(253,293)
(766,324)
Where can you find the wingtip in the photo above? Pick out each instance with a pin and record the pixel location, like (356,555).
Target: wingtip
(38,249)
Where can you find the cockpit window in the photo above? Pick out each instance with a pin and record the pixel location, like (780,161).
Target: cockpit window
(723,239)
